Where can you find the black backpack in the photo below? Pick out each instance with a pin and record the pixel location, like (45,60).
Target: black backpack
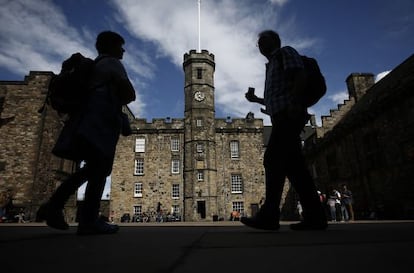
(315,82)
(69,90)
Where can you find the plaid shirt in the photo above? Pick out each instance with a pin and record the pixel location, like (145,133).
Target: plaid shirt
(278,84)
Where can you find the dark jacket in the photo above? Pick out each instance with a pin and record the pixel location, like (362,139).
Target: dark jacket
(95,129)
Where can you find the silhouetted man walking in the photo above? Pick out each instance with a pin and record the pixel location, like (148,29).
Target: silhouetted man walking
(95,129)
(285,78)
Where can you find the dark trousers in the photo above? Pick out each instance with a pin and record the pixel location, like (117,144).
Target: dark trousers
(95,171)
(283,158)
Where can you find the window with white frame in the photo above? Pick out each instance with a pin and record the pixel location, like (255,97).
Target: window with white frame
(140,145)
(238,206)
(234,149)
(236,183)
(139,166)
(138,189)
(199,122)
(138,209)
(176,191)
(175,144)
(200,175)
(175,209)
(175,166)
(200,147)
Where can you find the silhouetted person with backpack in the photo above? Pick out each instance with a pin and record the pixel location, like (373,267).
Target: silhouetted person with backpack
(93,132)
(285,80)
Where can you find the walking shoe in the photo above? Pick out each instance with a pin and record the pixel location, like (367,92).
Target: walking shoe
(309,226)
(258,223)
(264,219)
(54,217)
(99,227)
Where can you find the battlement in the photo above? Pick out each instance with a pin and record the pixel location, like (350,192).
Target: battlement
(221,124)
(194,54)
(358,84)
(329,121)
(157,124)
(196,57)
(32,78)
(239,124)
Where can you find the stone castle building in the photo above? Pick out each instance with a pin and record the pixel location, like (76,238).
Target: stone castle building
(199,167)
(368,143)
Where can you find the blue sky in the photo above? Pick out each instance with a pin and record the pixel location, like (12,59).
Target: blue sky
(344,36)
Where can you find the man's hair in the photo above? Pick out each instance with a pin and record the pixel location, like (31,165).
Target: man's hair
(272,35)
(107,40)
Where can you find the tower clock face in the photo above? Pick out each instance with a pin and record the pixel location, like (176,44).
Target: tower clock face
(199,96)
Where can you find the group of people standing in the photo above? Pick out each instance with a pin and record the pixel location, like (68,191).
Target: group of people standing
(340,205)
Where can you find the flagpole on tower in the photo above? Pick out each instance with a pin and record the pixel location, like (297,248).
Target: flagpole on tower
(199,25)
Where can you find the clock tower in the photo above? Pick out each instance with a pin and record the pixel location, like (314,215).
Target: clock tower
(200,184)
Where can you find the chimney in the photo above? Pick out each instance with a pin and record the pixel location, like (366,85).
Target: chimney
(359,83)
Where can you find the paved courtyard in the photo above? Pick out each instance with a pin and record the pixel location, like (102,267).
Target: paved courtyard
(210,247)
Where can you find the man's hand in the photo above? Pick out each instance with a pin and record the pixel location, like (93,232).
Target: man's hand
(264,111)
(251,96)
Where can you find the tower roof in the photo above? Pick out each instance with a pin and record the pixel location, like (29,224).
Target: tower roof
(198,57)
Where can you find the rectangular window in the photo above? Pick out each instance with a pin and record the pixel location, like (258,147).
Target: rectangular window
(238,206)
(139,166)
(200,147)
(236,183)
(140,145)
(175,166)
(138,210)
(234,149)
(138,190)
(175,209)
(199,73)
(175,191)
(175,144)
(200,175)
(199,122)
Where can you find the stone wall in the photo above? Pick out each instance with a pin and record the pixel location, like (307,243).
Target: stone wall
(158,180)
(371,149)
(367,142)
(27,167)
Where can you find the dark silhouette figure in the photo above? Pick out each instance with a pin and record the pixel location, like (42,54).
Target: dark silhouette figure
(285,78)
(94,130)
(346,202)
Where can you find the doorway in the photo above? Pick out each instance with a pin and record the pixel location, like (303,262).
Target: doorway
(254,208)
(201,209)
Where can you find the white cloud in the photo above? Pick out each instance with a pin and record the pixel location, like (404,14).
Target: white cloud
(278,2)
(381,75)
(35,35)
(340,97)
(228,30)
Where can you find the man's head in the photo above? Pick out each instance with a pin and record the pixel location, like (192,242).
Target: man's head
(110,43)
(268,41)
